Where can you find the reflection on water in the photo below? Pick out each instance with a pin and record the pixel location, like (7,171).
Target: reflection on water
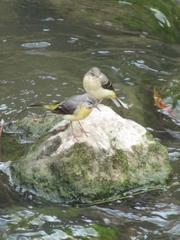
(46,48)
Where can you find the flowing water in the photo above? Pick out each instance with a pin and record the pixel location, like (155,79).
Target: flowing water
(46,48)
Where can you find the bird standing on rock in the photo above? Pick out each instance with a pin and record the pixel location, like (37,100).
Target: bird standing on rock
(74,108)
(96,84)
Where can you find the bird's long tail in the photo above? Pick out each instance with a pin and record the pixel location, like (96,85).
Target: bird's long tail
(39,104)
(119,103)
(51,106)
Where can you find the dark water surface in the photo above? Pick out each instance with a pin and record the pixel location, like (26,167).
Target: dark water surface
(46,47)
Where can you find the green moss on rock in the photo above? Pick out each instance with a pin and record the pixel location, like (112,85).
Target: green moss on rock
(151,165)
(106,232)
(80,173)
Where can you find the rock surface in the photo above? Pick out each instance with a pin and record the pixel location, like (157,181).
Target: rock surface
(114,155)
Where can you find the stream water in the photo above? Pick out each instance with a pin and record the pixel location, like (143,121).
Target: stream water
(46,48)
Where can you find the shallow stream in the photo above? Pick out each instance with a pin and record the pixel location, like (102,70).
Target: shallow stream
(46,48)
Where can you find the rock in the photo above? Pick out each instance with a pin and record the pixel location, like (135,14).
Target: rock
(80,231)
(57,235)
(175,230)
(7,195)
(31,128)
(114,155)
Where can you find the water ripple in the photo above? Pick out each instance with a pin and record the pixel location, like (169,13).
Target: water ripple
(157,220)
(162,19)
(141,64)
(31,45)
(174,154)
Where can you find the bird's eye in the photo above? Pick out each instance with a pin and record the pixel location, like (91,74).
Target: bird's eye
(90,104)
(92,74)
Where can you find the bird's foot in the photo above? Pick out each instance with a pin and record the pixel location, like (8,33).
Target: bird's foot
(82,129)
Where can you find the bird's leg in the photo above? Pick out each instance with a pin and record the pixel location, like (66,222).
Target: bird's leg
(74,135)
(82,129)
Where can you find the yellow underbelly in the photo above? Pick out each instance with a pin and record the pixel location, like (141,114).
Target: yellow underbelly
(79,115)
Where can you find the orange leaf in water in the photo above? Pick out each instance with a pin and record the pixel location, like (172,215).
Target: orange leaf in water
(158,102)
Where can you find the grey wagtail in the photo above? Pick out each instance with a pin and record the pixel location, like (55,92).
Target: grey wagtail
(74,108)
(96,84)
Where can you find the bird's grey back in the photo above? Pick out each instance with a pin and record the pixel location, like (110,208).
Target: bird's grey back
(72,102)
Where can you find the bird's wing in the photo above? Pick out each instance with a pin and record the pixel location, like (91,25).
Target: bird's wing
(65,108)
(105,82)
(69,105)
(107,85)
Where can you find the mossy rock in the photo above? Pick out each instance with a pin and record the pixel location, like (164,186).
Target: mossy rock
(118,154)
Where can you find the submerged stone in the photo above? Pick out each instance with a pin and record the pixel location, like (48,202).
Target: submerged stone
(80,231)
(57,235)
(114,155)
(106,232)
